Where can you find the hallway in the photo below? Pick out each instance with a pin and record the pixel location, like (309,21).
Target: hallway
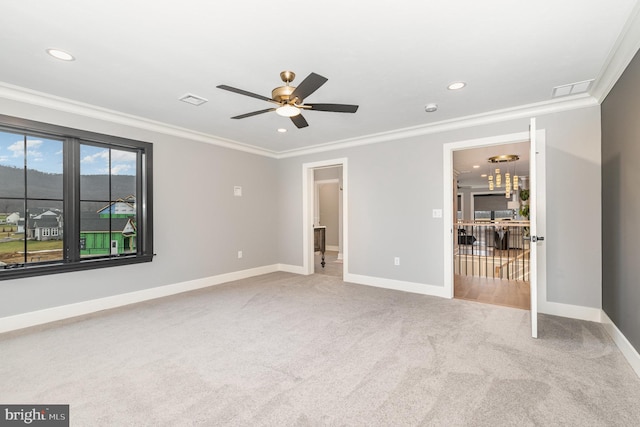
(333,266)
(508,293)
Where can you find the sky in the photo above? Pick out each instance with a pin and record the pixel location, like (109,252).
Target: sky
(45,155)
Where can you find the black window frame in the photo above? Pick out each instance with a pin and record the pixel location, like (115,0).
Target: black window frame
(72,139)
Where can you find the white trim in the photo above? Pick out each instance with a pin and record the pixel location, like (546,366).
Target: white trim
(34,318)
(288,268)
(31,97)
(447,155)
(308,184)
(398,285)
(40,317)
(628,351)
(524,111)
(579,312)
(332,248)
(541,288)
(625,48)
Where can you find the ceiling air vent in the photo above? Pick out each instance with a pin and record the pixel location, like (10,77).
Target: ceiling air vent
(571,89)
(193,99)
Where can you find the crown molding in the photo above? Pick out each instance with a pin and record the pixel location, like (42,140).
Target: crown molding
(40,99)
(524,111)
(620,56)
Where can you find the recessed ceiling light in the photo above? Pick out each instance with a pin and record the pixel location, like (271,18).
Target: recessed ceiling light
(484,175)
(282,130)
(476,166)
(456,85)
(60,54)
(430,108)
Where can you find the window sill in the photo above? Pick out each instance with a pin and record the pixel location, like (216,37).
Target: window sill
(86,264)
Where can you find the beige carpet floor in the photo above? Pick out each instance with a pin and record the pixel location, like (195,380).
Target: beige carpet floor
(288,350)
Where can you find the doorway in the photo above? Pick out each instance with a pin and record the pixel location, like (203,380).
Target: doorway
(450,213)
(327,216)
(490,255)
(332,174)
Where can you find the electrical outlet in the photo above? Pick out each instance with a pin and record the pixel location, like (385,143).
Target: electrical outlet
(239,254)
(396,261)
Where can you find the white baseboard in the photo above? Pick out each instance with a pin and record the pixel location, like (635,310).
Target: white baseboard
(629,352)
(572,311)
(25,320)
(398,285)
(296,269)
(34,318)
(332,248)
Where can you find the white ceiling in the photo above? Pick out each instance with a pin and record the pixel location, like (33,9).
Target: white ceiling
(389,57)
(470,177)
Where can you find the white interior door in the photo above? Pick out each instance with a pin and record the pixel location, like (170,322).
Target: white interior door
(533,265)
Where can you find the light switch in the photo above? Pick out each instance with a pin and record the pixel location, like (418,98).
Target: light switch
(437,213)
(237,191)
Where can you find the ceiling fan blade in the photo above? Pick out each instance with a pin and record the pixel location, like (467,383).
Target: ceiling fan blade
(336,108)
(254,113)
(246,93)
(308,86)
(299,121)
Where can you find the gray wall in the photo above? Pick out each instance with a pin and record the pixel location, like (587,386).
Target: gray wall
(394,186)
(621,203)
(329,194)
(198,224)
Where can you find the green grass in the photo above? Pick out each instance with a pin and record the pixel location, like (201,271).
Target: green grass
(32,245)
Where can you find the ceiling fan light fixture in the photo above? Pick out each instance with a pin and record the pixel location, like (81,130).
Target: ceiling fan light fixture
(288,110)
(61,54)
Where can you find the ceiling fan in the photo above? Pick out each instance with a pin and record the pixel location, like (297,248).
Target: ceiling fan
(290,99)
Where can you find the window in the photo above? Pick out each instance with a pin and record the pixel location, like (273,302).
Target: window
(491,207)
(72,199)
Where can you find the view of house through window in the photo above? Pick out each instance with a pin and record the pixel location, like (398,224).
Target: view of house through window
(107,201)
(31,199)
(69,200)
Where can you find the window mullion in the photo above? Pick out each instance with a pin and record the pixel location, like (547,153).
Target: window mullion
(140,222)
(71,180)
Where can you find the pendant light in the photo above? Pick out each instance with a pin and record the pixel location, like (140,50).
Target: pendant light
(495,179)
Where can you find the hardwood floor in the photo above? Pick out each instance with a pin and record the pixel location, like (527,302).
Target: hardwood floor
(332,267)
(481,289)
(493,291)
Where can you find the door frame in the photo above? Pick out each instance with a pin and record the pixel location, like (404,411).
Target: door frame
(308,196)
(447,216)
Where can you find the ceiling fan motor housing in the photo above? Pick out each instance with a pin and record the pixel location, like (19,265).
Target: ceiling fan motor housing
(283,94)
